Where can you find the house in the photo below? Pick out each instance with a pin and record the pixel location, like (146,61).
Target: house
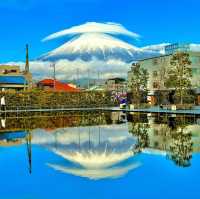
(9,69)
(12,138)
(55,85)
(11,78)
(157,69)
(115,84)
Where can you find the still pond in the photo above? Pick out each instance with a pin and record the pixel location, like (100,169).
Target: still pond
(100,155)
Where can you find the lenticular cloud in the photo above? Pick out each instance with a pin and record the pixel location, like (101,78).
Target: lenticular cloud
(93,27)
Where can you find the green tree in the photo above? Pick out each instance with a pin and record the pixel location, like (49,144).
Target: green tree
(138,82)
(181,148)
(140,131)
(179,75)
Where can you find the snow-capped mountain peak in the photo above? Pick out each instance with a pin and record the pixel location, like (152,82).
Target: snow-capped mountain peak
(95,45)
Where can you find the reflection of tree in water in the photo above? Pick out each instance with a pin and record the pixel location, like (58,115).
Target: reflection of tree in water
(169,134)
(140,131)
(181,148)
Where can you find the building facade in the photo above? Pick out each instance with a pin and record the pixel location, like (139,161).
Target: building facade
(11,78)
(157,68)
(116,84)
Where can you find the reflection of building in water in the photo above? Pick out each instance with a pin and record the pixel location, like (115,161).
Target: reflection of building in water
(173,137)
(14,138)
(118,117)
(97,152)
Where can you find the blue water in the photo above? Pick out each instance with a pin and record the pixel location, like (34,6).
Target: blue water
(156,176)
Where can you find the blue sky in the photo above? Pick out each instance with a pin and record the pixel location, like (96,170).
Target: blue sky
(29,21)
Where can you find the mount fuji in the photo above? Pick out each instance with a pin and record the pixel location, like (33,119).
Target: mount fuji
(99,46)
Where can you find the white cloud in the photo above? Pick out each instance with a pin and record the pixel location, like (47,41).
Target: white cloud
(67,70)
(93,27)
(97,174)
(66,136)
(160,48)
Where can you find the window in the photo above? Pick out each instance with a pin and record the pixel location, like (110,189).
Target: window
(155,85)
(155,73)
(155,61)
(194,71)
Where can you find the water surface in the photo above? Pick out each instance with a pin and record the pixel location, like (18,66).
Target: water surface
(99,156)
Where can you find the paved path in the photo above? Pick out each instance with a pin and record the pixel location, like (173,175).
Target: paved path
(146,110)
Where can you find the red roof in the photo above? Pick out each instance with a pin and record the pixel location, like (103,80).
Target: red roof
(59,86)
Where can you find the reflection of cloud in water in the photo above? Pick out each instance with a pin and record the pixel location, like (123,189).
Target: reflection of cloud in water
(96,174)
(97,150)
(72,137)
(152,151)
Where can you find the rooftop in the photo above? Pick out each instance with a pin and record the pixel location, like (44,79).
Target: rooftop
(116,79)
(5,66)
(14,79)
(59,86)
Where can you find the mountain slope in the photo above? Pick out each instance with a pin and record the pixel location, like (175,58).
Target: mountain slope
(99,46)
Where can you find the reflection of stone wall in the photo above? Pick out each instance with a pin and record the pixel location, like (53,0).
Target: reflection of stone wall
(58,99)
(58,120)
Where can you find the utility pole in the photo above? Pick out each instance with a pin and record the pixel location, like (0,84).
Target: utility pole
(77,75)
(88,78)
(54,74)
(29,150)
(98,76)
(89,139)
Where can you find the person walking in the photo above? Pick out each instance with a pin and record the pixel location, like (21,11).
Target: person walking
(3,102)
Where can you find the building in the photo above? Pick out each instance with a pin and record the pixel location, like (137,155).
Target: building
(13,82)
(11,78)
(55,85)
(157,68)
(8,69)
(12,138)
(116,84)
(96,88)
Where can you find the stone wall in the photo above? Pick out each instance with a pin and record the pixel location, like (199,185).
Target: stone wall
(45,99)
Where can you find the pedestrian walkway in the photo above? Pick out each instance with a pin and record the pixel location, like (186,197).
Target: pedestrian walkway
(145,110)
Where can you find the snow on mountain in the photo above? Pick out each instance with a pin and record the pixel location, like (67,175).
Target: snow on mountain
(100,46)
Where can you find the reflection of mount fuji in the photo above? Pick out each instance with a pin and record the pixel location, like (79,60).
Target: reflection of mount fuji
(96,152)
(98,46)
